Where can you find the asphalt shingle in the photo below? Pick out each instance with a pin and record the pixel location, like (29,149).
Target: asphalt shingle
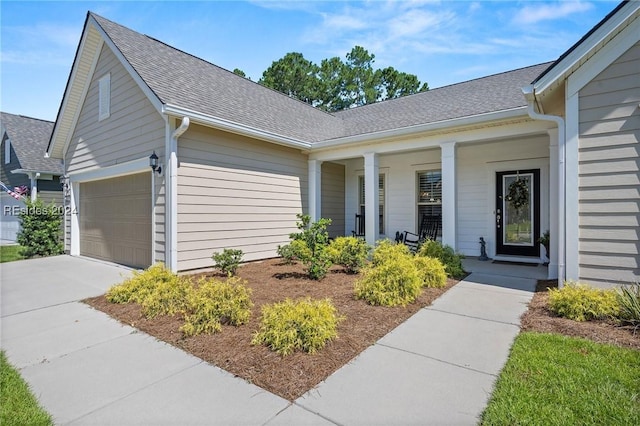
(29,139)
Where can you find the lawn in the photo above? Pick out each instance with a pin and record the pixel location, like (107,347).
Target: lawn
(10,253)
(552,379)
(18,406)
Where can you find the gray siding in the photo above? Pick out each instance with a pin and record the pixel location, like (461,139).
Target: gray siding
(11,179)
(133,130)
(609,161)
(234,192)
(332,202)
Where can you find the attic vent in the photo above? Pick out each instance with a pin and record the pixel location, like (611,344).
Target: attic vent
(104,106)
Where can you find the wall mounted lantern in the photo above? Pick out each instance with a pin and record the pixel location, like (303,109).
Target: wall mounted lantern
(153,163)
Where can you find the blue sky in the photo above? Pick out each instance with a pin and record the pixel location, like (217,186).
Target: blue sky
(442,42)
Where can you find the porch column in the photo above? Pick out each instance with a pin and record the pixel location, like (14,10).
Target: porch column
(448,163)
(315,189)
(371,197)
(34,185)
(553,204)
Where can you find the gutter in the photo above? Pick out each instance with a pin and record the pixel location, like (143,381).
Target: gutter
(233,127)
(530,95)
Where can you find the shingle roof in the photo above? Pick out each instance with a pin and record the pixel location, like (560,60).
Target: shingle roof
(497,92)
(29,139)
(186,81)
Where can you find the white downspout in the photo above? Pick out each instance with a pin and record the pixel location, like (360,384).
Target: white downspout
(34,185)
(171,189)
(530,95)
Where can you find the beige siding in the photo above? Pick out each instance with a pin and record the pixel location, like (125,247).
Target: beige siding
(235,192)
(49,196)
(609,161)
(133,130)
(332,202)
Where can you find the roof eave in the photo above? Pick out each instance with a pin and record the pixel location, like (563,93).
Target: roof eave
(234,127)
(29,171)
(423,128)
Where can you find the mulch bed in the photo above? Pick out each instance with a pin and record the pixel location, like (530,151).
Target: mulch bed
(540,318)
(272,281)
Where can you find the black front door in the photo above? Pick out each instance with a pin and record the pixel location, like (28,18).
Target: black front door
(518,212)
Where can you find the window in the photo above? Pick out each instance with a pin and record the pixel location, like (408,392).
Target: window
(7,151)
(429,194)
(361,201)
(104,97)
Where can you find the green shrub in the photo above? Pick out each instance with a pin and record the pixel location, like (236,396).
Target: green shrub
(214,303)
(349,252)
(392,279)
(432,272)
(136,288)
(287,253)
(309,245)
(629,302)
(305,325)
(228,260)
(40,233)
(580,302)
(451,260)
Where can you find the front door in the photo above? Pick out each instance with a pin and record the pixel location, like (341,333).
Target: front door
(518,212)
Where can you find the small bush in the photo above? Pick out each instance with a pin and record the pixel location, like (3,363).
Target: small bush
(629,302)
(40,233)
(432,272)
(167,298)
(215,303)
(388,250)
(228,261)
(451,260)
(580,302)
(309,245)
(349,252)
(391,279)
(288,253)
(136,288)
(305,325)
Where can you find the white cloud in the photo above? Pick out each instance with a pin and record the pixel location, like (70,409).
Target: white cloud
(533,14)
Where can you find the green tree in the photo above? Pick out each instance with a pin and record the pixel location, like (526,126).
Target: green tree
(238,71)
(294,76)
(40,233)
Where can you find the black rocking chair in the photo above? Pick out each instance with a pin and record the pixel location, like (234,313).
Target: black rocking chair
(429,228)
(359,232)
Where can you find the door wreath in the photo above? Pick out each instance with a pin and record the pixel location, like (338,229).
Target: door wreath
(518,193)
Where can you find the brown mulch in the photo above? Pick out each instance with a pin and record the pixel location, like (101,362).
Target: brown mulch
(272,281)
(540,318)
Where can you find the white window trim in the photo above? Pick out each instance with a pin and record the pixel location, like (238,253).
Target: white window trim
(104,97)
(7,151)
(418,203)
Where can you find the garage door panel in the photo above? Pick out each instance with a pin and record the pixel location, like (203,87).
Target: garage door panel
(115,219)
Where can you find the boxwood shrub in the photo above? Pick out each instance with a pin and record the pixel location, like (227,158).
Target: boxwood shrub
(581,302)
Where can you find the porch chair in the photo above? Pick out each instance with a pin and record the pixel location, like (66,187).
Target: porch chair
(429,228)
(359,232)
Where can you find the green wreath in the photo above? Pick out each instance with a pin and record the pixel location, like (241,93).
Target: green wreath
(518,193)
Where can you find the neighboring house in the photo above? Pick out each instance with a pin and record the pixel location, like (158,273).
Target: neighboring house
(22,164)
(239,161)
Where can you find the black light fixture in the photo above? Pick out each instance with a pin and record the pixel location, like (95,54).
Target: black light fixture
(153,162)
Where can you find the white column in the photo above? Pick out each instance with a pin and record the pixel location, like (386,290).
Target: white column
(571,249)
(315,189)
(371,197)
(74,198)
(34,185)
(553,203)
(448,162)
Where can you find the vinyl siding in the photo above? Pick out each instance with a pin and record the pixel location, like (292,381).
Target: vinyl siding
(609,174)
(11,179)
(133,130)
(332,202)
(235,192)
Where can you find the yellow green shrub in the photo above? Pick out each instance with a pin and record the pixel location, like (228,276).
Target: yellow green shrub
(305,325)
(391,279)
(431,271)
(167,297)
(142,283)
(349,252)
(216,302)
(581,302)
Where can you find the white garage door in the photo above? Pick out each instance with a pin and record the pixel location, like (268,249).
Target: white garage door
(115,220)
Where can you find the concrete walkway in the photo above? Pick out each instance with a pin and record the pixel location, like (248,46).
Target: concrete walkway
(86,368)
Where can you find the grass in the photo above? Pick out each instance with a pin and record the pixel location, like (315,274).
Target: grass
(551,379)
(18,406)
(10,253)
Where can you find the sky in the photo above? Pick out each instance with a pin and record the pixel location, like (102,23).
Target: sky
(442,42)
